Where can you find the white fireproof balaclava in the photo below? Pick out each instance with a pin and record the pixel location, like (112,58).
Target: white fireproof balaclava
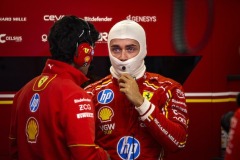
(128,29)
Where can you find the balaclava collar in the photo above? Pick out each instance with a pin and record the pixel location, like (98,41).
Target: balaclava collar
(128,29)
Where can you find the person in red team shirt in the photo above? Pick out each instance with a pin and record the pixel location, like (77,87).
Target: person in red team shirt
(140,115)
(52,117)
(233,145)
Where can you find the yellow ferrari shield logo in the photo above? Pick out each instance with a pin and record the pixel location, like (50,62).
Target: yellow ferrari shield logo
(147,95)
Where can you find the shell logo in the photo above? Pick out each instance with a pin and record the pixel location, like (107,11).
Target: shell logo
(105,114)
(32,130)
(86,59)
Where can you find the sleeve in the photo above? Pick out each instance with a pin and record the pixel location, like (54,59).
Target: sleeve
(13,149)
(88,153)
(233,146)
(167,117)
(79,127)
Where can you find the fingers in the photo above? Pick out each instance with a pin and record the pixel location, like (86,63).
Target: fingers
(124,82)
(128,85)
(122,86)
(125,77)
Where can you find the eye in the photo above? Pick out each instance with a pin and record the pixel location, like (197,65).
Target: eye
(116,50)
(131,49)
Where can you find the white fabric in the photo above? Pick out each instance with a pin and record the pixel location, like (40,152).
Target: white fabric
(128,29)
(143,109)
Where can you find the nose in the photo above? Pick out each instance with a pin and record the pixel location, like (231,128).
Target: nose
(123,56)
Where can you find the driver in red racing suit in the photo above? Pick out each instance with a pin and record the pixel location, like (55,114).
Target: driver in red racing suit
(139,115)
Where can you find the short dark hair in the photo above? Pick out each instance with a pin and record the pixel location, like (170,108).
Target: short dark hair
(64,37)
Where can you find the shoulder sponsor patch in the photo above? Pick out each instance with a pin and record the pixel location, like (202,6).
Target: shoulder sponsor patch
(84,106)
(42,82)
(82,100)
(105,96)
(34,102)
(128,148)
(85,115)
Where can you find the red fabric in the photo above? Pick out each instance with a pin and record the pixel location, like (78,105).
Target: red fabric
(118,123)
(59,123)
(233,146)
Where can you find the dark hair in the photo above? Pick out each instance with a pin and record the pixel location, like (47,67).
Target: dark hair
(64,37)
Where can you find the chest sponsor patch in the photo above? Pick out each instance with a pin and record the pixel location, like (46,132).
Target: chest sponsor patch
(32,130)
(34,102)
(105,114)
(107,128)
(148,95)
(105,96)
(128,148)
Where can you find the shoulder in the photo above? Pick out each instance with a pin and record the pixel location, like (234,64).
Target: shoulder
(100,83)
(159,80)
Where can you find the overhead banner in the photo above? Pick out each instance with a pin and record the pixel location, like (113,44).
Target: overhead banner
(24,26)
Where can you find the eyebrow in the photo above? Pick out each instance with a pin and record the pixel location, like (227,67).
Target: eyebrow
(129,45)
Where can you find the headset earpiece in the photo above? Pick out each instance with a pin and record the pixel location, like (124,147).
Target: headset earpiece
(84,54)
(84,51)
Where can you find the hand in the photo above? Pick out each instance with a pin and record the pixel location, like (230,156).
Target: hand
(129,87)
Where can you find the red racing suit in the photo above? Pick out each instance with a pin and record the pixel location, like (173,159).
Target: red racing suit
(128,133)
(53,118)
(233,146)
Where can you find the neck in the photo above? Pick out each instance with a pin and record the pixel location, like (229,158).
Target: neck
(137,73)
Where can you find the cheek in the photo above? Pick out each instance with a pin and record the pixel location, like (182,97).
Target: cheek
(115,55)
(84,70)
(133,55)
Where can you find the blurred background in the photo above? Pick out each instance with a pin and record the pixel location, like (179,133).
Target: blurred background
(194,42)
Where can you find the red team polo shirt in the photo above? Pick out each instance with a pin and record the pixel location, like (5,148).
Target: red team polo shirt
(53,118)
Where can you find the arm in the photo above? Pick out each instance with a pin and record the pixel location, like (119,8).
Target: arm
(79,129)
(166,115)
(167,123)
(13,131)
